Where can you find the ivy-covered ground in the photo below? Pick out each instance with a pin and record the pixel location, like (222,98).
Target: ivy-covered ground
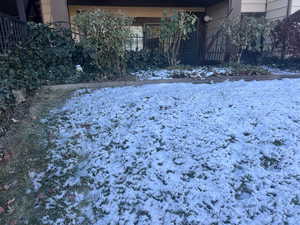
(165,154)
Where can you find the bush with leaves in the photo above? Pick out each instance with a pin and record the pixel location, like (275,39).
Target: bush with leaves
(286,36)
(48,55)
(145,59)
(238,69)
(290,63)
(105,34)
(247,34)
(175,29)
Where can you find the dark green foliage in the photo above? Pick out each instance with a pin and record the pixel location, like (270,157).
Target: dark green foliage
(7,103)
(104,34)
(176,28)
(145,59)
(48,55)
(286,36)
(247,70)
(292,63)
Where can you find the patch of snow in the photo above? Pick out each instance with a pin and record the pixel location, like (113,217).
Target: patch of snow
(225,153)
(277,71)
(79,68)
(195,73)
(36,179)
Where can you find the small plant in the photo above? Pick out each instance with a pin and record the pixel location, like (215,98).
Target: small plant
(247,33)
(175,29)
(105,34)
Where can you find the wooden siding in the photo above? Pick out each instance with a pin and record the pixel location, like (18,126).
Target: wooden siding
(295,6)
(274,9)
(249,6)
(277,9)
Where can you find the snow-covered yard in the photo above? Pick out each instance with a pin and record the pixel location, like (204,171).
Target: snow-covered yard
(167,154)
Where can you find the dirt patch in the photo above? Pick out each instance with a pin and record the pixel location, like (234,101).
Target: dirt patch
(22,151)
(208,80)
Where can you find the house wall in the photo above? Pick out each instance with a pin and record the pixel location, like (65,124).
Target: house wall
(274,9)
(295,6)
(250,6)
(277,9)
(132,11)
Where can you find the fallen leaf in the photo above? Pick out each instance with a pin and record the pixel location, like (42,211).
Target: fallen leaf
(4,187)
(41,196)
(6,157)
(10,202)
(13,222)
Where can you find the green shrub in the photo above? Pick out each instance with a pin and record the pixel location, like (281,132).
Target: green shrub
(238,69)
(145,59)
(175,29)
(105,35)
(247,34)
(7,104)
(47,56)
(291,63)
(285,36)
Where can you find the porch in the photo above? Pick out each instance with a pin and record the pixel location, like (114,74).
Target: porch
(146,25)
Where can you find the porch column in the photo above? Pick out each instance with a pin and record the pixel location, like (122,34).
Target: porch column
(235,6)
(55,11)
(60,11)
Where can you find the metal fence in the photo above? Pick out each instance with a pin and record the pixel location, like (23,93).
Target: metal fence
(12,31)
(138,43)
(216,52)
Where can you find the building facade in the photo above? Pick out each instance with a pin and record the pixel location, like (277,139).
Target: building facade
(205,44)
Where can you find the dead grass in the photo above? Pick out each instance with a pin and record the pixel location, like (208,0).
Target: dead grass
(24,148)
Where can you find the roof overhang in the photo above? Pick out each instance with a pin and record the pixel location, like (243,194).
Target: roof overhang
(146,3)
(9,8)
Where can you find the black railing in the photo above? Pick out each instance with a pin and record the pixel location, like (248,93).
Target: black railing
(216,50)
(12,31)
(138,43)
